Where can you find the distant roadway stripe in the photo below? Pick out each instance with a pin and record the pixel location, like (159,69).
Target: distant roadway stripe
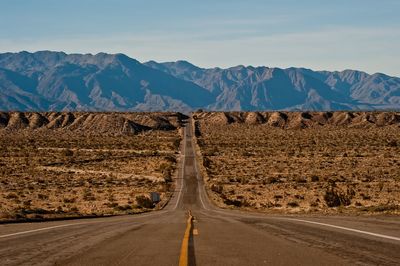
(183,258)
(198,177)
(349,229)
(40,229)
(183,168)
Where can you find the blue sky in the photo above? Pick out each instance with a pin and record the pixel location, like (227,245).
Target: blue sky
(317,34)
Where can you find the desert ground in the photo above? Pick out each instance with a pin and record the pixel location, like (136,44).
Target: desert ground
(301,162)
(78,164)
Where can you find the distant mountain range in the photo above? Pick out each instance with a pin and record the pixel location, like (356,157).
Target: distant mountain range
(55,81)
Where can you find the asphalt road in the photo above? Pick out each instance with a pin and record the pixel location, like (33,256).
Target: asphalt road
(220,237)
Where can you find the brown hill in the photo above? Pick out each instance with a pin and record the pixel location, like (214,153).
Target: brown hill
(90,122)
(301,120)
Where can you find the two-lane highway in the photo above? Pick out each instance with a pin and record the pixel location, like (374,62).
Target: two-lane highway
(219,237)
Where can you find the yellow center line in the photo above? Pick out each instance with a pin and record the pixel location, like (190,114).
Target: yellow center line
(184,259)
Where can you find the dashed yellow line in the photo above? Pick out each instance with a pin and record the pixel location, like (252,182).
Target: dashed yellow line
(184,259)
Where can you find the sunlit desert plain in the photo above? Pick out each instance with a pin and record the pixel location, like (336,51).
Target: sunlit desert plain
(58,165)
(301,162)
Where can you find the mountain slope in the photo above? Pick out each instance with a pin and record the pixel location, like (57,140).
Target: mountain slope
(56,81)
(260,88)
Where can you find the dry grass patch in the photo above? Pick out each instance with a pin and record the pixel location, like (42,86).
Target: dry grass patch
(56,173)
(350,167)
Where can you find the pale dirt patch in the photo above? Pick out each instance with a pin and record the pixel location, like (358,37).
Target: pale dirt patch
(108,150)
(108,173)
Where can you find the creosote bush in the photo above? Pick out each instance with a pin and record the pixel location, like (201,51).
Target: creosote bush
(67,152)
(217,188)
(293,204)
(144,202)
(335,198)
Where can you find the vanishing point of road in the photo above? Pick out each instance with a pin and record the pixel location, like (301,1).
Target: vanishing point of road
(212,237)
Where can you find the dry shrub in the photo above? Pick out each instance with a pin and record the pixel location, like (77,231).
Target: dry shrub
(293,204)
(335,198)
(144,202)
(67,153)
(217,188)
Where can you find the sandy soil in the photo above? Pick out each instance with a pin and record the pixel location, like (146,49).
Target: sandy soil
(302,162)
(55,165)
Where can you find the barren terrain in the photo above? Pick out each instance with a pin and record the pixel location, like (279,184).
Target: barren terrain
(57,165)
(301,162)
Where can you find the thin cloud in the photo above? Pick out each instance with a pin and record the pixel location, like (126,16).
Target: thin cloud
(334,48)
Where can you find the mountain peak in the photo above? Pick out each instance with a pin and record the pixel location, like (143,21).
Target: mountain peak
(182,64)
(185,63)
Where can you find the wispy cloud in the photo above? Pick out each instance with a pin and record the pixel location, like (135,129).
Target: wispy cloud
(333,48)
(362,34)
